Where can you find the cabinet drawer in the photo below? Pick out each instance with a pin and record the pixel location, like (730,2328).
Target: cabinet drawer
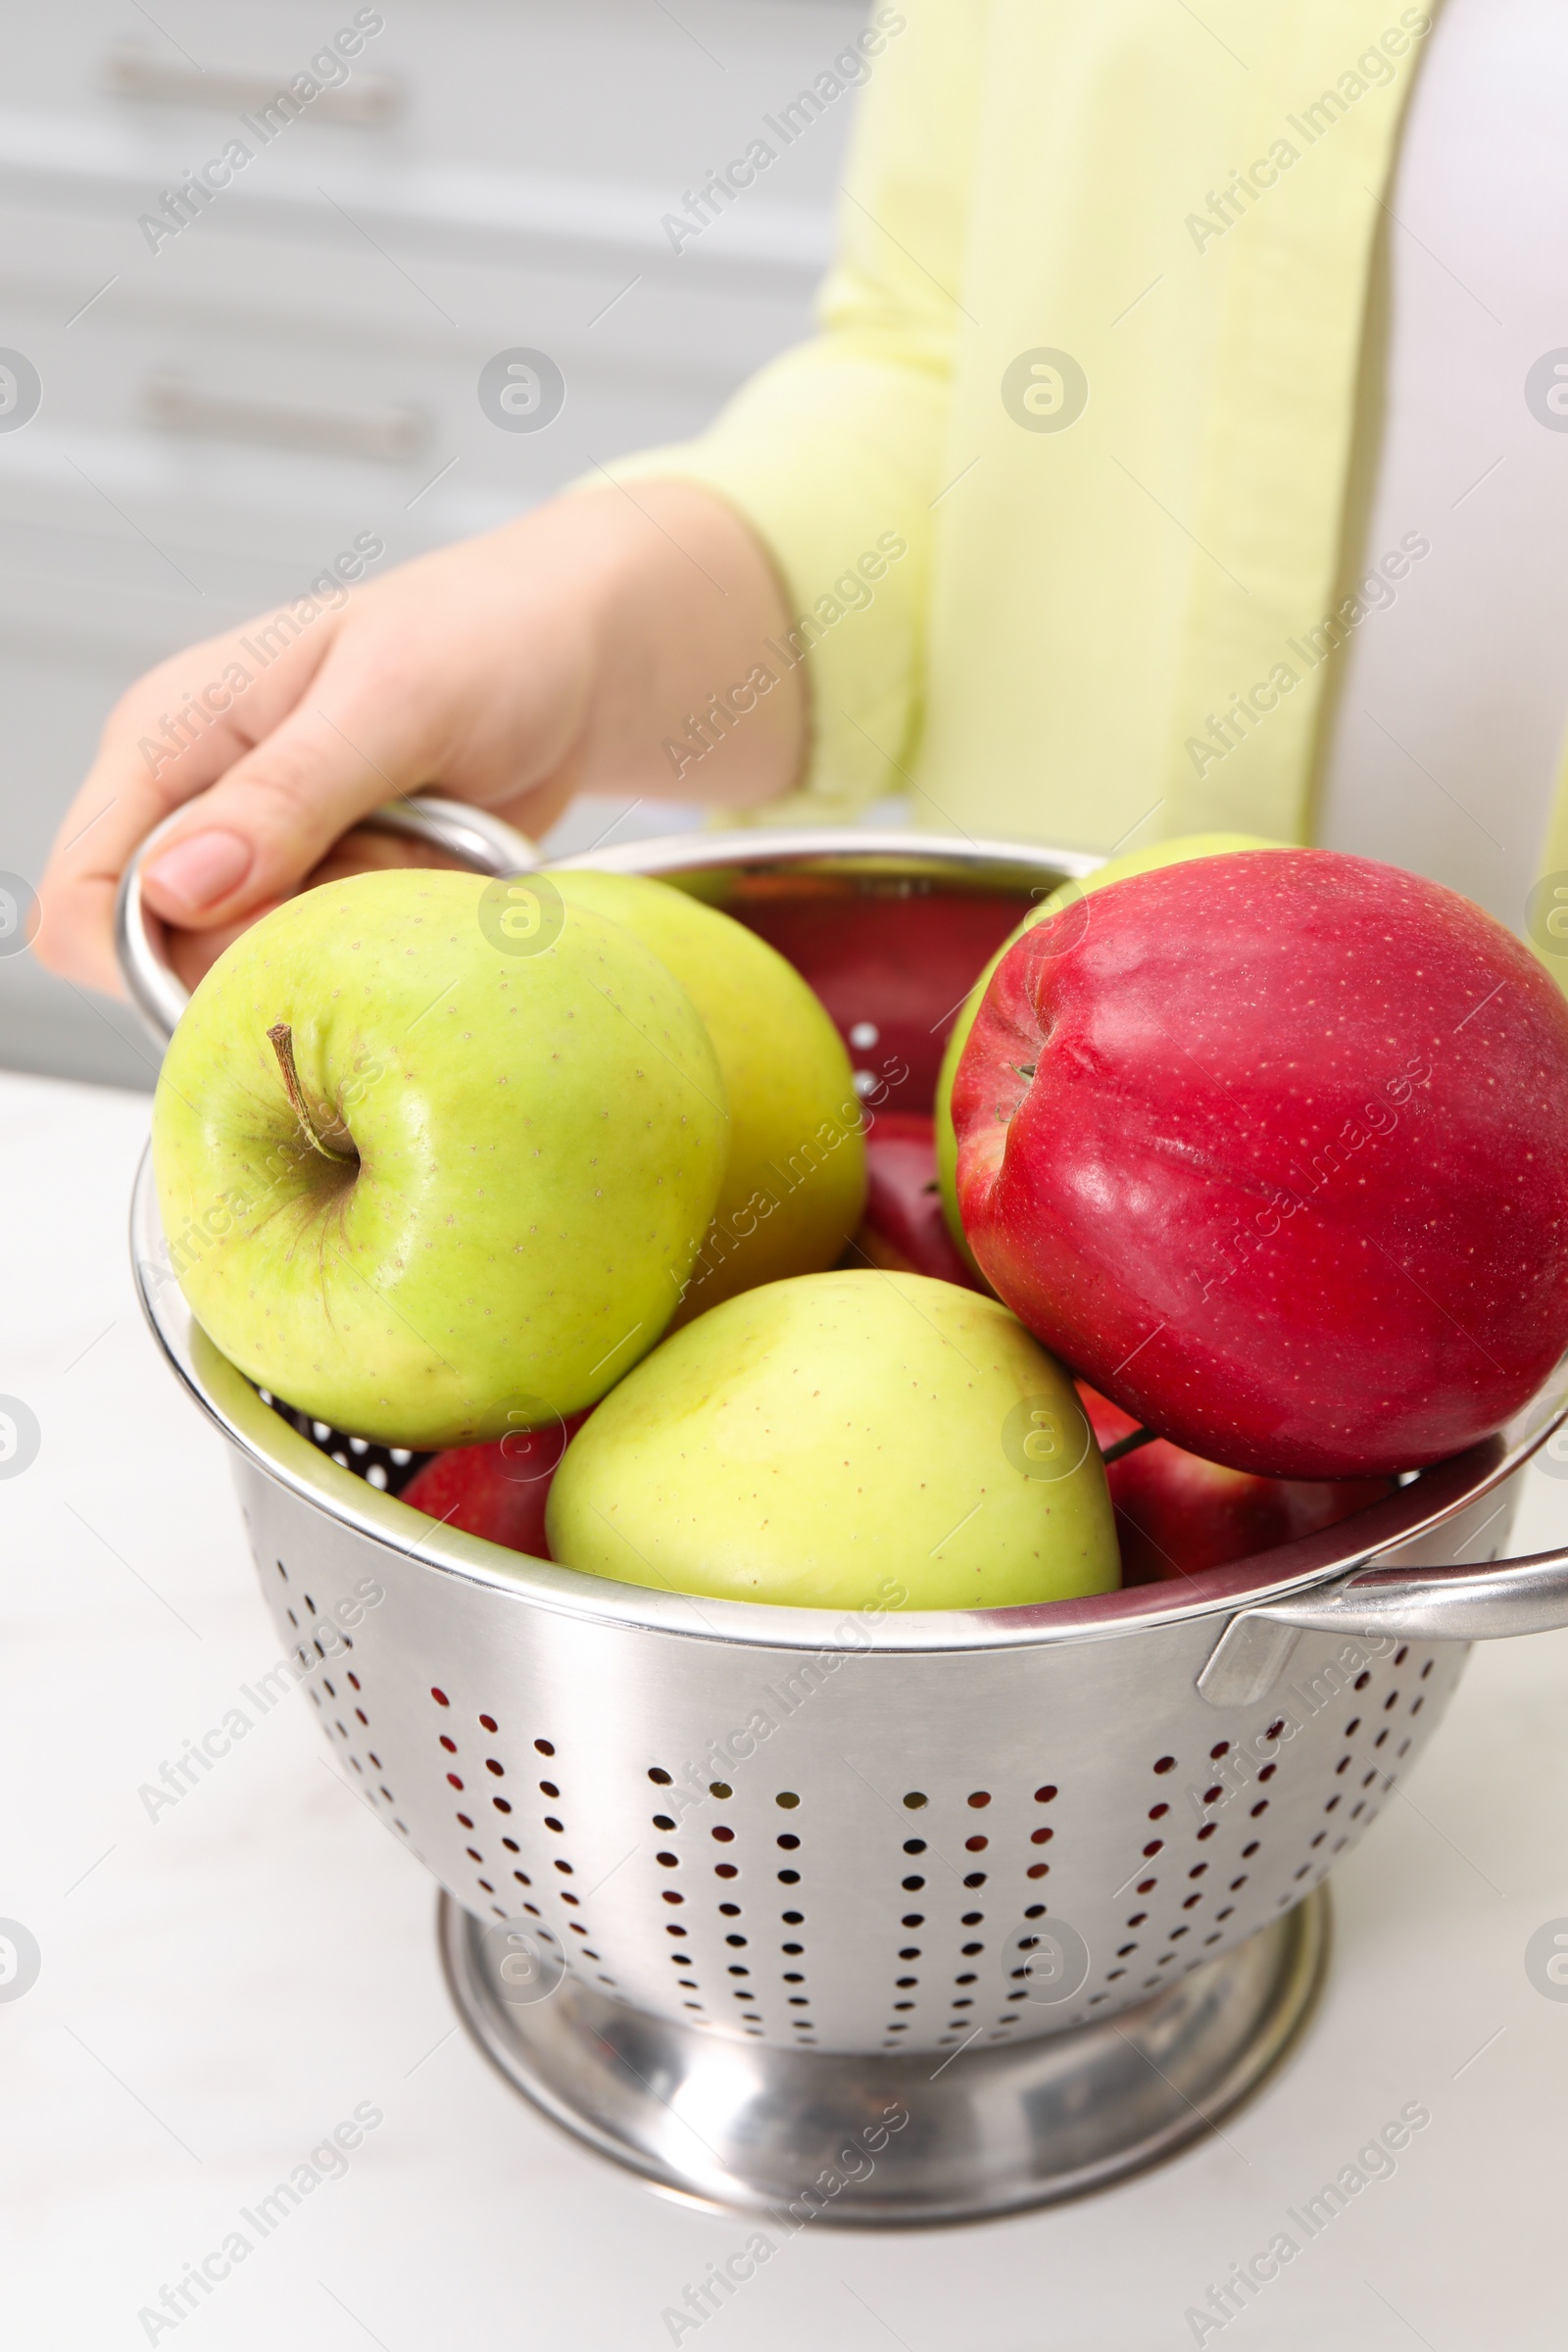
(275,407)
(606,91)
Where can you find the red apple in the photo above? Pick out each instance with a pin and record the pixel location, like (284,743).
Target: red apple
(1273,1149)
(499,1490)
(1177,1515)
(905,1229)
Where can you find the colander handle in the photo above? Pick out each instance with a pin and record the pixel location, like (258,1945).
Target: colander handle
(476,837)
(1473,1603)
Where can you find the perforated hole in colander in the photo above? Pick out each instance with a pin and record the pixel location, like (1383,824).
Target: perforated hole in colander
(389,1468)
(310,1655)
(496,1809)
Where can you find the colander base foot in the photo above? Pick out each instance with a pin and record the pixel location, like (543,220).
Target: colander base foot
(798,2135)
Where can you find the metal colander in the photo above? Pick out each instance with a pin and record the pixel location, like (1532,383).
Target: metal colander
(888,1844)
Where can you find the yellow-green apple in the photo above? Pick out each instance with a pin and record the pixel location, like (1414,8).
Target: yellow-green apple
(1068,894)
(1274,1152)
(1177,1515)
(434,1162)
(795,1185)
(843,1441)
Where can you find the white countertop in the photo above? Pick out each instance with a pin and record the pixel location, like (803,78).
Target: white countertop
(222,1985)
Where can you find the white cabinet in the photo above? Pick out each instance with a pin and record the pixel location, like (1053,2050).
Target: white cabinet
(245,362)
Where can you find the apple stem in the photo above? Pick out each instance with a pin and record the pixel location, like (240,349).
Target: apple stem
(282,1041)
(1129,1444)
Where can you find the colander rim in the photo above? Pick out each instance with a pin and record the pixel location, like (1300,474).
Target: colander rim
(269,1444)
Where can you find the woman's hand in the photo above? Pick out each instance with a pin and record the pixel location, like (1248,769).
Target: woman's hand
(554,656)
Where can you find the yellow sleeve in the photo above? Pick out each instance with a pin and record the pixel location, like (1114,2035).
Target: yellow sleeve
(834,452)
(1546,925)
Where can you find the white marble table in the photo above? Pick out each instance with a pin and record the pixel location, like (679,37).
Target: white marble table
(223,1984)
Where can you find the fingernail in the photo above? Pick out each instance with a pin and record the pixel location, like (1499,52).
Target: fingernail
(201,869)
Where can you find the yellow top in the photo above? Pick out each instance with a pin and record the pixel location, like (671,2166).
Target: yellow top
(1090,353)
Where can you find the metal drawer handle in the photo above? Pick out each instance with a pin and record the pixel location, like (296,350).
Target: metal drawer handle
(175,406)
(366,100)
(486,842)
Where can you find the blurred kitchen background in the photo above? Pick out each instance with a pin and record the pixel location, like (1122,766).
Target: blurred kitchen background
(298,366)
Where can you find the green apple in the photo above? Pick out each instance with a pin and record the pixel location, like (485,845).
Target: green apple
(1115,869)
(794,1190)
(434,1165)
(843,1441)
